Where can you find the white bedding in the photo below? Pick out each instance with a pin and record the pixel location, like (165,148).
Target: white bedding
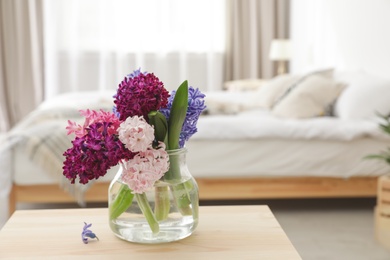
(267,157)
(251,143)
(254,141)
(284,158)
(245,122)
(259,123)
(248,144)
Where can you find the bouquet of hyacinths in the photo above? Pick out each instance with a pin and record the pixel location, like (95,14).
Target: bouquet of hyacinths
(145,123)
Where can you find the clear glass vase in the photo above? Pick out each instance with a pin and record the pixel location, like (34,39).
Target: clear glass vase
(165,213)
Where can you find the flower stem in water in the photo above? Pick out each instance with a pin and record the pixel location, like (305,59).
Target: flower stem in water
(147,211)
(162,203)
(180,192)
(182,199)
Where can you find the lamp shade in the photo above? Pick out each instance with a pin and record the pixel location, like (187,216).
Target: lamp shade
(280,49)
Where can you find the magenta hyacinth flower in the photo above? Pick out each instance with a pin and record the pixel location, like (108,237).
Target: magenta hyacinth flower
(93,154)
(138,94)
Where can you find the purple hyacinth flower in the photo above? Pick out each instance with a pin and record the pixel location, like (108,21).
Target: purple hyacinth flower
(115,112)
(87,233)
(195,108)
(135,73)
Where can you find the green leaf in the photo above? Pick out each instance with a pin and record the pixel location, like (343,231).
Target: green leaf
(122,202)
(158,120)
(376,156)
(177,115)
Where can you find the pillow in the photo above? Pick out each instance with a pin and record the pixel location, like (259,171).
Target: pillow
(327,73)
(309,98)
(243,84)
(266,96)
(279,87)
(365,96)
(226,102)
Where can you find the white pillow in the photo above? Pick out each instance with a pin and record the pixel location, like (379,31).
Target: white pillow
(364,96)
(309,98)
(226,102)
(243,84)
(271,91)
(278,87)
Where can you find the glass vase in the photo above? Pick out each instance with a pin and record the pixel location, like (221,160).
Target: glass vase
(165,213)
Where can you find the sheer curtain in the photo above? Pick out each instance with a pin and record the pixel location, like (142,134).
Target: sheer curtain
(21,76)
(251,26)
(93,44)
(21,60)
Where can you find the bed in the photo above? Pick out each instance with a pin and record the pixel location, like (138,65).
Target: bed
(244,153)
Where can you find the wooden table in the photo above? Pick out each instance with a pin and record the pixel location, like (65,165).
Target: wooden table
(224,232)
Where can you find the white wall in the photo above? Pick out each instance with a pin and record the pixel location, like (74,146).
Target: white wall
(345,34)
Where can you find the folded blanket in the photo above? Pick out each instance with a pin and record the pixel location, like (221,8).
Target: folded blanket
(42,135)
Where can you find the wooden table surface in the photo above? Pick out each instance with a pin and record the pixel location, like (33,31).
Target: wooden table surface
(224,232)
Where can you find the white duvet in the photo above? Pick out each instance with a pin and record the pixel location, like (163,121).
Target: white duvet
(261,124)
(234,116)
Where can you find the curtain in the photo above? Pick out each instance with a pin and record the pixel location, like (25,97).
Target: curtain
(94,44)
(252,25)
(21,69)
(21,59)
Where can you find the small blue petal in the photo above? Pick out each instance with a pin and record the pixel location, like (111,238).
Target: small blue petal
(91,235)
(87,233)
(136,73)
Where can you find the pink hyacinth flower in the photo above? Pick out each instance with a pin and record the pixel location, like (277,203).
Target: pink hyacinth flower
(73,127)
(91,117)
(141,172)
(136,134)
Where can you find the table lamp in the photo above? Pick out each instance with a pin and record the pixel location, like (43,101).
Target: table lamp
(280,52)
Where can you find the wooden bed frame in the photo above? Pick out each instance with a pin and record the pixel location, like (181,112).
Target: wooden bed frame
(223,189)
